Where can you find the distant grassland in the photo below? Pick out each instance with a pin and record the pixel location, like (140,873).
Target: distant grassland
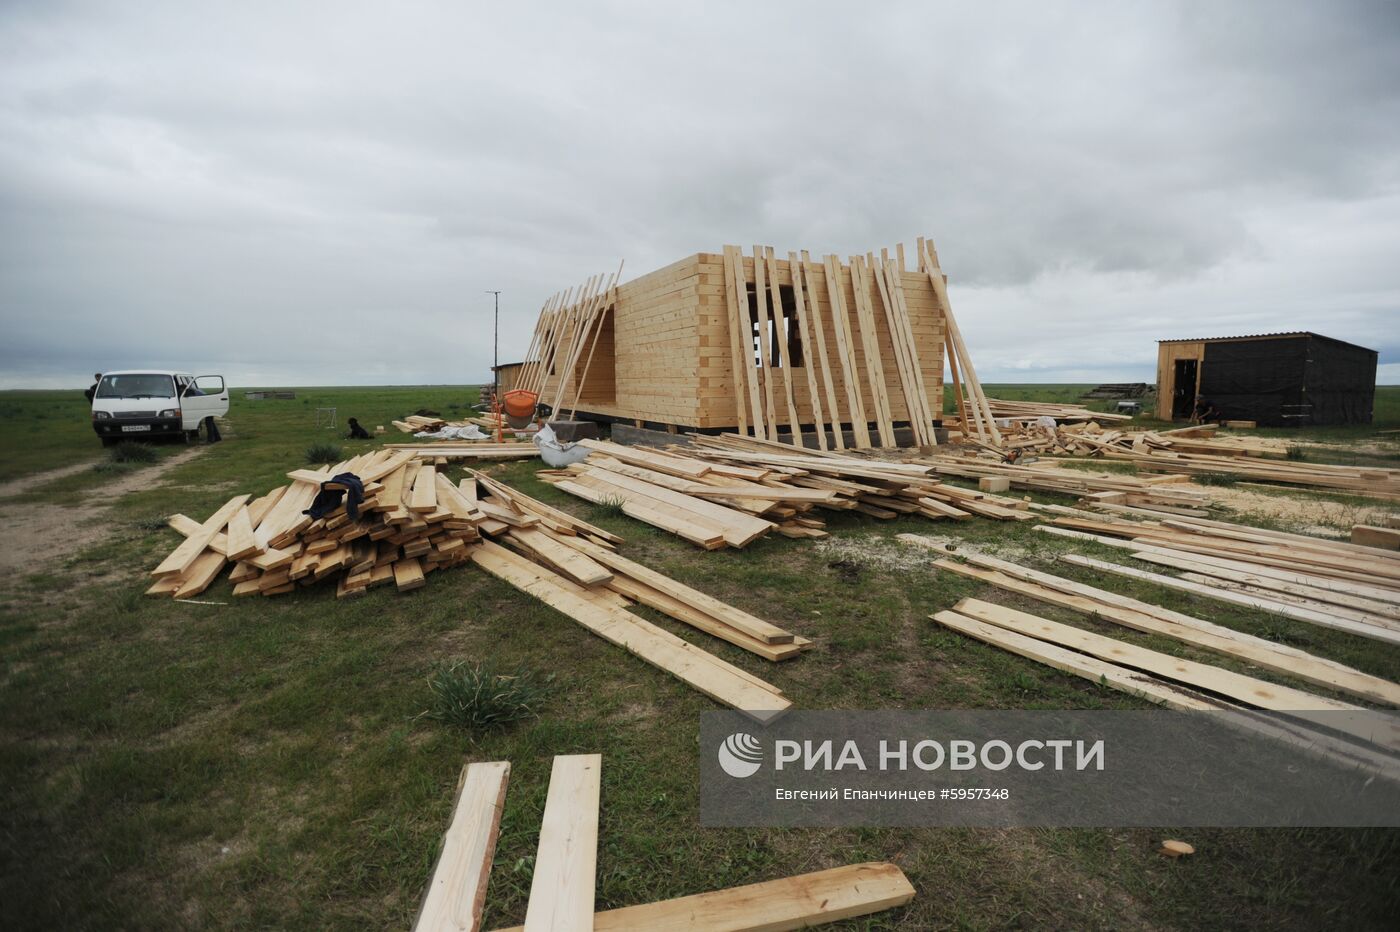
(42,430)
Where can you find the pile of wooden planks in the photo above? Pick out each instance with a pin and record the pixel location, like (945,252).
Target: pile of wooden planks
(1090,438)
(855,361)
(1178,683)
(1031,410)
(1333,584)
(728,491)
(1166,493)
(1366,481)
(413,423)
(566,865)
(468,449)
(414,520)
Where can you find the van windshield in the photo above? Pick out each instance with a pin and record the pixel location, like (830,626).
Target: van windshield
(140,385)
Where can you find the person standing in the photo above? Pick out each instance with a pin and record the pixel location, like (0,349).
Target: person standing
(92,392)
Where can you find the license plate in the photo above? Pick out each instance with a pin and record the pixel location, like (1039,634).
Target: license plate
(134,428)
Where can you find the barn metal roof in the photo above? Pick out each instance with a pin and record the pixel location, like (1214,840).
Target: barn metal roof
(1286,334)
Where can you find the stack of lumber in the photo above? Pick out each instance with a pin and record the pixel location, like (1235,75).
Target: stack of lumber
(1172,493)
(469,449)
(1333,584)
(414,521)
(413,423)
(731,490)
(1367,481)
(566,865)
(1178,683)
(1118,390)
(1089,438)
(1031,410)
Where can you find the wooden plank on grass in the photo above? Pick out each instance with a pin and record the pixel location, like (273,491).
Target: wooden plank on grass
(738,620)
(191,547)
(1324,619)
(1247,690)
(577,566)
(456,893)
(771,906)
(566,861)
(1142,616)
(708,537)
(705,672)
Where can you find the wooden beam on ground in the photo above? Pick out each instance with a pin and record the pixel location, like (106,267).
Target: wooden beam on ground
(181,558)
(1298,613)
(799,902)
(456,892)
(1153,619)
(703,671)
(1234,686)
(566,861)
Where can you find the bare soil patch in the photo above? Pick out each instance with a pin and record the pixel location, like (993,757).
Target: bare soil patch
(41,532)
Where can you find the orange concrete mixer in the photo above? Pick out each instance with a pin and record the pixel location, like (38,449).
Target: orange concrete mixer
(519,407)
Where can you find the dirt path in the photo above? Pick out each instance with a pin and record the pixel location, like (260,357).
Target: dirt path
(25,483)
(41,532)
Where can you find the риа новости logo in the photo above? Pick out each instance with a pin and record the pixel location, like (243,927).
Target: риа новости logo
(740,755)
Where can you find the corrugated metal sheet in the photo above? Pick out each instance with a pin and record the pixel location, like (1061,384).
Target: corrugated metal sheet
(1244,336)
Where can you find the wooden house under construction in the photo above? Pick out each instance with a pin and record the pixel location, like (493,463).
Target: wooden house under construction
(828,353)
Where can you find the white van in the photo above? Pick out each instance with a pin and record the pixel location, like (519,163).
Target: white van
(149,403)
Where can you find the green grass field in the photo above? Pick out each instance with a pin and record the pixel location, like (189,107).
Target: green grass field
(263,763)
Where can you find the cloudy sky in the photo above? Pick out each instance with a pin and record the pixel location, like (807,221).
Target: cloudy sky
(304,193)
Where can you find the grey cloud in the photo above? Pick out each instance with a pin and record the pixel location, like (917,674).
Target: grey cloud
(260,185)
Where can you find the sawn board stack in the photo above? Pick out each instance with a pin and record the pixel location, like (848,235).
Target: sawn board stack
(732,490)
(414,520)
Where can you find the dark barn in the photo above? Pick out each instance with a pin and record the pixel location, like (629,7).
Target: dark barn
(1273,379)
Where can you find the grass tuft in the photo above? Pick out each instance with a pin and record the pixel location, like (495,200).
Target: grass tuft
(477,697)
(611,507)
(322,453)
(151,522)
(1217,478)
(1296,452)
(129,451)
